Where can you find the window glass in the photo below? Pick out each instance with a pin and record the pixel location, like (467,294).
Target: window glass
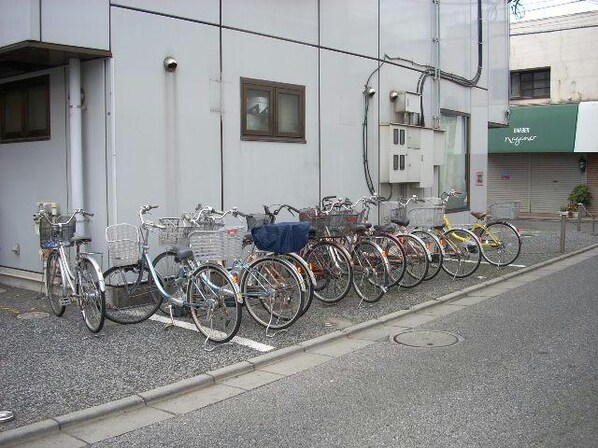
(25,110)
(530,84)
(288,113)
(454,173)
(258,110)
(38,109)
(13,112)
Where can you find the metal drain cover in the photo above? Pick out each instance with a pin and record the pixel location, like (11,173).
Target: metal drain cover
(33,315)
(427,338)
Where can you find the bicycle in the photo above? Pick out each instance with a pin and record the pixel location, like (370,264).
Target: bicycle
(338,219)
(135,290)
(64,281)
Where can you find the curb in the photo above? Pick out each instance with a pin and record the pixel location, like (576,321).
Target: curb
(147,398)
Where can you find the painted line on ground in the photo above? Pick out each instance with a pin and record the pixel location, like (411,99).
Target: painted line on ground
(237,340)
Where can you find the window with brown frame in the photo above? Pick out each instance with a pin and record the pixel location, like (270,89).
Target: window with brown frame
(25,110)
(272,111)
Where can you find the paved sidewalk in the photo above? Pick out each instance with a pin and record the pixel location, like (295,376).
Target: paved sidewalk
(55,375)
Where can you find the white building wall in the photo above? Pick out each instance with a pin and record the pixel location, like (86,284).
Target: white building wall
(204,10)
(19,20)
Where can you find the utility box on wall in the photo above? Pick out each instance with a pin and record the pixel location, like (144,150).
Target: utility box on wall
(408,154)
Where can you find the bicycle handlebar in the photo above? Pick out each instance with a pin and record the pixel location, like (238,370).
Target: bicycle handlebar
(142,211)
(41,213)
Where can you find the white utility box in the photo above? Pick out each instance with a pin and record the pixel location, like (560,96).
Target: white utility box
(408,154)
(408,102)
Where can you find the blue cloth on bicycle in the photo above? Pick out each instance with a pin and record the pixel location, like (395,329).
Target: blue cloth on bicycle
(281,238)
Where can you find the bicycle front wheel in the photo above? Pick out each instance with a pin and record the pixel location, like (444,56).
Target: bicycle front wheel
(91,298)
(418,262)
(55,288)
(131,294)
(462,253)
(272,292)
(214,302)
(304,271)
(331,267)
(501,243)
(370,271)
(395,254)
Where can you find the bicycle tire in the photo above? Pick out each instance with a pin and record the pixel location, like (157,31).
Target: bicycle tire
(131,294)
(395,255)
(331,266)
(92,299)
(214,302)
(500,242)
(53,283)
(272,292)
(370,271)
(417,260)
(303,269)
(167,270)
(435,252)
(462,252)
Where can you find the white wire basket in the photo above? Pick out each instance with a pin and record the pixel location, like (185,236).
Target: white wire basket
(392,211)
(123,244)
(176,231)
(217,245)
(421,214)
(426,216)
(504,210)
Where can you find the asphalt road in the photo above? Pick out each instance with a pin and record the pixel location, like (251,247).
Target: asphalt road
(523,374)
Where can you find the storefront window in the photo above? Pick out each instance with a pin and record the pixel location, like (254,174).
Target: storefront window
(454,174)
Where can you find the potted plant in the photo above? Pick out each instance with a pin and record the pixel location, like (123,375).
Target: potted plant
(580,194)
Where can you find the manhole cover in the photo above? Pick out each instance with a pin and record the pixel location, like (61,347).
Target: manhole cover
(427,338)
(33,315)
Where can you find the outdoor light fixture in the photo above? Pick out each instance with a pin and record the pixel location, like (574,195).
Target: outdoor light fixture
(582,164)
(393,95)
(369,91)
(170,64)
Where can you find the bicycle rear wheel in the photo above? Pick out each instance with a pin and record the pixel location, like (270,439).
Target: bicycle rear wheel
(501,243)
(304,271)
(417,260)
(214,302)
(91,298)
(131,294)
(394,253)
(331,267)
(167,269)
(462,253)
(370,271)
(55,289)
(272,292)
(435,252)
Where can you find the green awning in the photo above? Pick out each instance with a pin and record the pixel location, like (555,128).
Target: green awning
(536,129)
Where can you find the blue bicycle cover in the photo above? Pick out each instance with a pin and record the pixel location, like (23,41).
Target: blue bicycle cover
(281,238)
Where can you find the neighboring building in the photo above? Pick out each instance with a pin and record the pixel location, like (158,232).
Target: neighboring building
(551,144)
(108,105)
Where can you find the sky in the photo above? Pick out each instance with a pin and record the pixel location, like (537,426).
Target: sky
(537,9)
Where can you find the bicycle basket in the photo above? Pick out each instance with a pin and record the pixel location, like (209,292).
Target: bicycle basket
(217,245)
(51,234)
(123,244)
(426,216)
(391,211)
(504,210)
(177,230)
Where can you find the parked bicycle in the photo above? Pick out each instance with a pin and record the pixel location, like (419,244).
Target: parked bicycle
(134,289)
(64,281)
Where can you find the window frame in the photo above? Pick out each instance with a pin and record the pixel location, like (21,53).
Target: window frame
(519,83)
(272,134)
(26,134)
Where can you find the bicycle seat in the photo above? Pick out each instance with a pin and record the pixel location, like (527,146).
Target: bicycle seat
(478,215)
(384,229)
(183,254)
(80,239)
(400,222)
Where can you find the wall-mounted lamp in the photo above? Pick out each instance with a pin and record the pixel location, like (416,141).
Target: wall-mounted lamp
(582,164)
(170,64)
(369,91)
(393,95)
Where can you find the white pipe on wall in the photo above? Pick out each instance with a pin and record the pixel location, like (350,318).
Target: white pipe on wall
(75,140)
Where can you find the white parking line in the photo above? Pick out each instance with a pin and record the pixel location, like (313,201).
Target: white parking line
(237,340)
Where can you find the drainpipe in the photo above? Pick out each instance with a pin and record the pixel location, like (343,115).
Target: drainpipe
(436,40)
(76,146)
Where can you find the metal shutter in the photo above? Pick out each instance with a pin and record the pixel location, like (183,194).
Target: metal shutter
(508,179)
(553,178)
